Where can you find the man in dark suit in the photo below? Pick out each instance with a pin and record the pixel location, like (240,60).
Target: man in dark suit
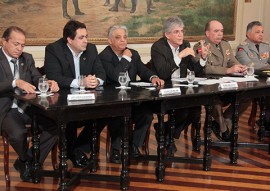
(18,71)
(118,58)
(65,60)
(171,57)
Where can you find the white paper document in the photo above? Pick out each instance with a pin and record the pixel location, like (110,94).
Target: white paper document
(228,79)
(185,79)
(209,82)
(123,87)
(237,79)
(186,85)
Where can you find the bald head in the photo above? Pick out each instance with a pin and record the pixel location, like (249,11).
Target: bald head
(214,31)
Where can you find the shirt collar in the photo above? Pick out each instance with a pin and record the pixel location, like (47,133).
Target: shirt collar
(7,56)
(73,53)
(173,49)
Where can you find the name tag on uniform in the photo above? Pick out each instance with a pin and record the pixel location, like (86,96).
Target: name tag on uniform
(169,91)
(228,85)
(72,97)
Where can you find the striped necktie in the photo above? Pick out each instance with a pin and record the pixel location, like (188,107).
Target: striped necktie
(16,68)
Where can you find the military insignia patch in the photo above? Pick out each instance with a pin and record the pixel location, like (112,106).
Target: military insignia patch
(244,43)
(227,52)
(264,55)
(240,49)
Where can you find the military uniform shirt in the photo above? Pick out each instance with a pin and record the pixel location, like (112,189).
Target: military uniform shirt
(247,53)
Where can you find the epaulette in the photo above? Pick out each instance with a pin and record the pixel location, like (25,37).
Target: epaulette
(266,43)
(244,43)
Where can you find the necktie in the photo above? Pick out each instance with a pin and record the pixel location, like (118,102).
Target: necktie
(16,76)
(16,69)
(257,46)
(21,106)
(218,47)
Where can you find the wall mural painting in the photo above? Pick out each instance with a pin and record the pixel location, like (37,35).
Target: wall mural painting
(43,20)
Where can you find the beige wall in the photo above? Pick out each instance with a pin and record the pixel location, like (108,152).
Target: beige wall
(255,10)
(246,12)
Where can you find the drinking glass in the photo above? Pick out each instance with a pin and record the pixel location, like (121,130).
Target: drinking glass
(43,86)
(250,71)
(81,82)
(190,77)
(122,79)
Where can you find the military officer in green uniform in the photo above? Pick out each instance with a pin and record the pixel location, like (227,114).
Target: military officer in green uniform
(253,51)
(221,61)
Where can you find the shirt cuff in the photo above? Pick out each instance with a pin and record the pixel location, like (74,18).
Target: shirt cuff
(127,58)
(14,83)
(74,84)
(203,62)
(177,60)
(154,76)
(101,82)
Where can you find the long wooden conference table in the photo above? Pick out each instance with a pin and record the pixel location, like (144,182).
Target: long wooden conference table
(112,102)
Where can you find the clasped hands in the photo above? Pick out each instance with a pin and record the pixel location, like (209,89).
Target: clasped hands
(91,81)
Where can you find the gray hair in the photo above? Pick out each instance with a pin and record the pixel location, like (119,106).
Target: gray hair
(115,27)
(171,22)
(253,24)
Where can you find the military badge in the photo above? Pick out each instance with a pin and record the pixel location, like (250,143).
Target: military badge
(251,55)
(227,52)
(265,55)
(209,53)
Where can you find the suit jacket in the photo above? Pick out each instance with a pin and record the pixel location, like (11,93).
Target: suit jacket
(28,73)
(247,53)
(113,66)
(218,61)
(163,63)
(59,64)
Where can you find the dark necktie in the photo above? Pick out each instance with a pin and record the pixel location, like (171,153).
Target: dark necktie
(257,46)
(218,47)
(16,69)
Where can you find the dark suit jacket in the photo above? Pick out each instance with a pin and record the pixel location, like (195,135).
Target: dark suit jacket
(28,73)
(59,64)
(113,66)
(163,63)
